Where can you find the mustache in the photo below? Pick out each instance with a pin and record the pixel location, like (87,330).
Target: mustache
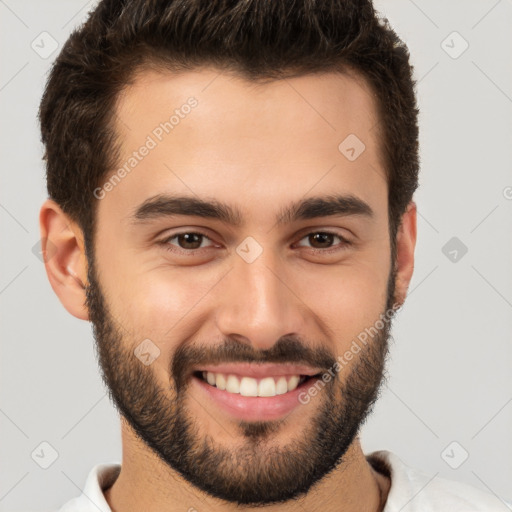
(288,349)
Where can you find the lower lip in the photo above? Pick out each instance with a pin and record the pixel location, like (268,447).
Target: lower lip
(255,408)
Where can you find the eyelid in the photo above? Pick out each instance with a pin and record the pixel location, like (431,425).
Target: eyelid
(165,241)
(302,235)
(336,250)
(344,239)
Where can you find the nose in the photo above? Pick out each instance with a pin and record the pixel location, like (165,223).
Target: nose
(258,302)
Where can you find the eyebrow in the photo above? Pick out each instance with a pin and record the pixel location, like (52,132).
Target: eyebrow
(165,205)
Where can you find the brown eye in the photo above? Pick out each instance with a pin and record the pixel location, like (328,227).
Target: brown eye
(188,241)
(323,241)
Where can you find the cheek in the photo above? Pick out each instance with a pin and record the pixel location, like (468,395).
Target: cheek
(351,298)
(167,303)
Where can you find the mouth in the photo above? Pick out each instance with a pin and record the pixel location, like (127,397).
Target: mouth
(260,397)
(253,387)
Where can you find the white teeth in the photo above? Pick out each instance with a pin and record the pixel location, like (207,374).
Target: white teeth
(267,387)
(248,386)
(233,384)
(220,381)
(281,386)
(293,382)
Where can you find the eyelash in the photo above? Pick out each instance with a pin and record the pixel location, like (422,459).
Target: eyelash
(168,246)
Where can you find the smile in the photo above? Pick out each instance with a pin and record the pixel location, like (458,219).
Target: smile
(254,392)
(249,386)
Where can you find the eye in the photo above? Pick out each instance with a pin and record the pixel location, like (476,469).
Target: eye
(191,241)
(188,241)
(322,241)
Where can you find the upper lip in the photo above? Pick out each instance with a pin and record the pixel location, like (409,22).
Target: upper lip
(260,370)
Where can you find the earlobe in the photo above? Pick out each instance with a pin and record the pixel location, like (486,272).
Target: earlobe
(405,245)
(64,258)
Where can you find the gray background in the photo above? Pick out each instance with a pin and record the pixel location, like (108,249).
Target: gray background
(450,378)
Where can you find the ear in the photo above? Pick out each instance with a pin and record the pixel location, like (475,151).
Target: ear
(63,250)
(405,244)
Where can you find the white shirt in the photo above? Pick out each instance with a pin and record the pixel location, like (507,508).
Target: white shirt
(411,490)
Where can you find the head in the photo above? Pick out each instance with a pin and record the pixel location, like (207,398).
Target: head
(234,183)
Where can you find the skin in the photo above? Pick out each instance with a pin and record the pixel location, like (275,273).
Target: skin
(257,147)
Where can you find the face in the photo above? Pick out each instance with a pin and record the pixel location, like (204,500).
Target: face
(270,283)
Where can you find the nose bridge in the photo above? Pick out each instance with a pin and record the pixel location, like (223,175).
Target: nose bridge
(258,303)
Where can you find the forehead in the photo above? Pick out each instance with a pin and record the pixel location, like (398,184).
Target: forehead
(208,133)
(331,100)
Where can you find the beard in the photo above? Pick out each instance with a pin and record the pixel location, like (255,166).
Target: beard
(255,471)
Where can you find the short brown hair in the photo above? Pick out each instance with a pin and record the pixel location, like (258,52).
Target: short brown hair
(258,39)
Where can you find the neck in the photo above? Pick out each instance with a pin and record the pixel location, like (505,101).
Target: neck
(147,483)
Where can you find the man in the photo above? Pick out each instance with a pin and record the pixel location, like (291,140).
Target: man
(231,204)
